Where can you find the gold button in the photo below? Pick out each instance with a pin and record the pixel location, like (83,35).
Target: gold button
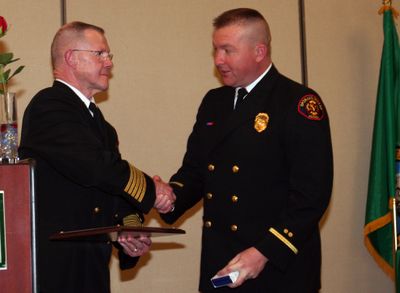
(235,169)
(234,228)
(96,210)
(211,167)
(285,231)
(235,198)
(209,195)
(290,234)
(207,224)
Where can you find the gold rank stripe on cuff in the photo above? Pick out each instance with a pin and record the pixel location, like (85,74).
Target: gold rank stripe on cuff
(177,183)
(132,220)
(284,240)
(136,185)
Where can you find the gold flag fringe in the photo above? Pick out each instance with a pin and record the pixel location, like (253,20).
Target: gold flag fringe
(371,227)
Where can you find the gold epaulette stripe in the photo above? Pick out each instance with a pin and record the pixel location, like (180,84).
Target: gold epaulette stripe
(136,185)
(283,239)
(177,183)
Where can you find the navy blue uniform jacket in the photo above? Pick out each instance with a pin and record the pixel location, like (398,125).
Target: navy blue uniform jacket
(82,182)
(265,174)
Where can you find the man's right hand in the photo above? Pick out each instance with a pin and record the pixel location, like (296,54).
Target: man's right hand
(165,197)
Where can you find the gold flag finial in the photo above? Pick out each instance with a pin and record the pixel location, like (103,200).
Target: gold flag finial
(387,5)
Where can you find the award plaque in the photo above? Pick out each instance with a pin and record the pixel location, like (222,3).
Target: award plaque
(112,232)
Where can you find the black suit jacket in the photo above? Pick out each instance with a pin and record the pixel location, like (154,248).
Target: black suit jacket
(265,174)
(82,182)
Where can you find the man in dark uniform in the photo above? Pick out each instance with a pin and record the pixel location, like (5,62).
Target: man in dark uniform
(82,181)
(260,157)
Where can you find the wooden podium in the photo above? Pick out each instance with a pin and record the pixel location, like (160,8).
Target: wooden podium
(17,228)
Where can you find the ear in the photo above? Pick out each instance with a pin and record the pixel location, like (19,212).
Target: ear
(261,52)
(70,58)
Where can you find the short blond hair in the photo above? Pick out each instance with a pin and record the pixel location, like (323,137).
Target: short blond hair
(68,32)
(246,17)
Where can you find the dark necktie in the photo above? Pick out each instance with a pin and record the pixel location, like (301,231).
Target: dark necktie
(96,115)
(242,92)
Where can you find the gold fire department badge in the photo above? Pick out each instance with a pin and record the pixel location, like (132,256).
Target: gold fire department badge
(261,122)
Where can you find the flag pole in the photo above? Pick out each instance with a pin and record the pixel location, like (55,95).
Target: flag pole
(303,49)
(395,201)
(395,224)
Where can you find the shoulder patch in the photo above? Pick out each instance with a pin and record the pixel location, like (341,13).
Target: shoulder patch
(310,106)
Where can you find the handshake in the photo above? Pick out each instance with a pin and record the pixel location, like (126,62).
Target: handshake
(165,197)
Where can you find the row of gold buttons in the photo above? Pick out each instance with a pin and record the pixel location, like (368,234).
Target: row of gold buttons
(97,210)
(235,168)
(234,197)
(208,224)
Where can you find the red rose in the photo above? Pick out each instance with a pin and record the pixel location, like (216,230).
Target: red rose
(3,26)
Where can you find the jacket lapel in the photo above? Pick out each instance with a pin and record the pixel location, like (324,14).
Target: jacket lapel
(70,95)
(250,107)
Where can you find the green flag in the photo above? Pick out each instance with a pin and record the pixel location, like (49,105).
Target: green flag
(378,230)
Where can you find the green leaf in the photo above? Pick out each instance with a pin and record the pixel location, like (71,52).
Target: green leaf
(19,69)
(6,74)
(11,61)
(5,58)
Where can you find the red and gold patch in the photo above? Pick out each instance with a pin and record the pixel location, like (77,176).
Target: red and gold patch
(311,107)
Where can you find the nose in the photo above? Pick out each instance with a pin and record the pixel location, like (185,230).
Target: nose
(108,63)
(218,58)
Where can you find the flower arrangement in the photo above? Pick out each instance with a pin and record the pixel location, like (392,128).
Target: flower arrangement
(5,59)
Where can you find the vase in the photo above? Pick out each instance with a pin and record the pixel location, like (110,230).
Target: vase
(8,129)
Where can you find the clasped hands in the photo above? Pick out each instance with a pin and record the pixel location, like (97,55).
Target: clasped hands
(165,197)
(164,203)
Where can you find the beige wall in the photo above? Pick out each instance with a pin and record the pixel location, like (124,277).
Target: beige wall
(163,67)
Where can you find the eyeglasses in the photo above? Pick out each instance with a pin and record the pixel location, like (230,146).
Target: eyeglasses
(100,54)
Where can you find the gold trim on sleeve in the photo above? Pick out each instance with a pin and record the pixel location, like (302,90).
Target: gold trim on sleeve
(132,220)
(177,183)
(283,239)
(136,185)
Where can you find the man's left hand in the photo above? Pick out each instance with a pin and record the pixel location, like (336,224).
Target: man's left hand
(134,246)
(249,263)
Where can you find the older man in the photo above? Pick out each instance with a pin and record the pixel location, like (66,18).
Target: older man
(260,157)
(82,181)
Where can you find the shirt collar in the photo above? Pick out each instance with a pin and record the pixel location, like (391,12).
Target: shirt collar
(254,83)
(84,99)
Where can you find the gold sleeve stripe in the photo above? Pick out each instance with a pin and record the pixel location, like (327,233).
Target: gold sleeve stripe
(126,189)
(132,220)
(133,183)
(136,185)
(143,189)
(177,183)
(284,240)
(140,185)
(134,190)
